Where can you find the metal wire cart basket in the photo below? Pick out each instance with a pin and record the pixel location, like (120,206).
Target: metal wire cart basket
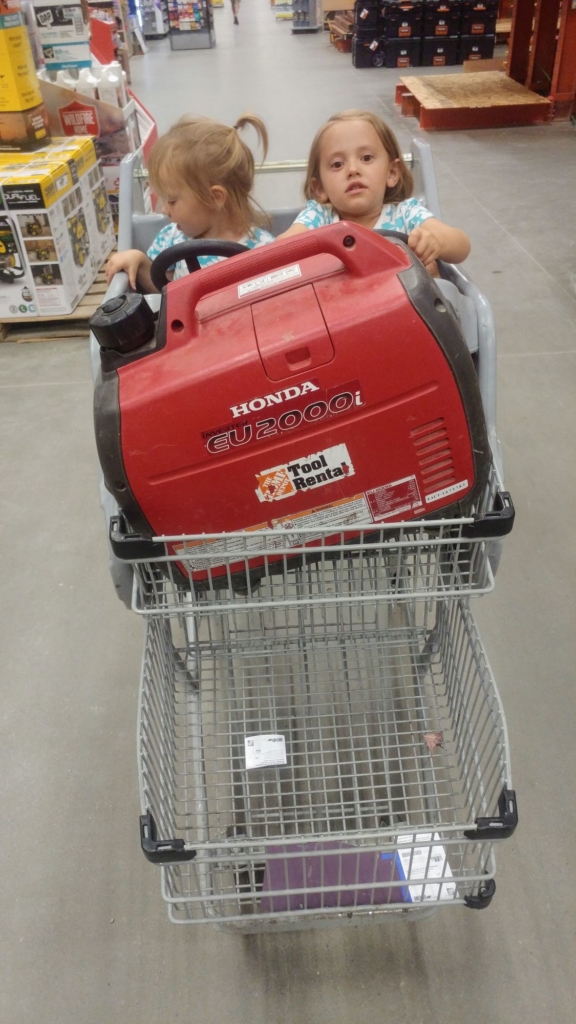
(320,736)
(321,739)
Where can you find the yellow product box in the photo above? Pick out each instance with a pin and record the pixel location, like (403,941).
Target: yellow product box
(19,88)
(47,256)
(57,227)
(78,149)
(59,171)
(23,116)
(80,155)
(35,186)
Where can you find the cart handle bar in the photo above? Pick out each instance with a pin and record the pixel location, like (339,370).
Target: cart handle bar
(275,166)
(496,523)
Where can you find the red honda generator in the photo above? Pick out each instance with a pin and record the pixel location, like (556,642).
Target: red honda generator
(320,380)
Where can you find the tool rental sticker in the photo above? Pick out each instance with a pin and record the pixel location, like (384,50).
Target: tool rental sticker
(304,474)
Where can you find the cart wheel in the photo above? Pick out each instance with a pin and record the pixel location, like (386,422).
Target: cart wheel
(378,60)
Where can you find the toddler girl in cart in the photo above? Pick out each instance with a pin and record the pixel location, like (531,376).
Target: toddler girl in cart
(356,173)
(204,173)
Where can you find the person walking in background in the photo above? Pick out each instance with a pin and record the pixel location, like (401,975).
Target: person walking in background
(235,9)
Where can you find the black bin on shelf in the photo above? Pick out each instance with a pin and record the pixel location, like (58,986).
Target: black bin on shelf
(367,16)
(402,53)
(402,19)
(367,50)
(442,18)
(479,17)
(439,53)
(476,48)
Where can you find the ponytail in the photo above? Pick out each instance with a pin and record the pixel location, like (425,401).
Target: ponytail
(259,127)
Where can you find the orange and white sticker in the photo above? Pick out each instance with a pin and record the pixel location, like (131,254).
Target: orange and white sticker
(339,514)
(274,484)
(304,474)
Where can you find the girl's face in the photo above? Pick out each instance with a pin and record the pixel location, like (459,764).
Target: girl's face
(188,213)
(355,171)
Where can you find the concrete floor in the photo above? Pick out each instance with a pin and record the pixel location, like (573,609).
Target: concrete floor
(84,934)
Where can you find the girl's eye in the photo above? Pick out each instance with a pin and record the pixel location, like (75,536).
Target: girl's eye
(336,165)
(367,158)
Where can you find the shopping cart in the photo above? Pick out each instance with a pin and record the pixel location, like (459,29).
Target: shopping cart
(324,744)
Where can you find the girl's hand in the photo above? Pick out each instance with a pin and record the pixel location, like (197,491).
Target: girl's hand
(434,240)
(131,261)
(425,245)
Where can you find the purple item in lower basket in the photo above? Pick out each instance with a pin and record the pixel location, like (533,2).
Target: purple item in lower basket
(314,867)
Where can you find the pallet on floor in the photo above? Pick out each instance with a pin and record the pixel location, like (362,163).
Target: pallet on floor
(485,100)
(503,29)
(57,328)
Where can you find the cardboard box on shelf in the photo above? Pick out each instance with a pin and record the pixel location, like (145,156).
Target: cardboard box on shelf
(55,230)
(79,155)
(8,8)
(63,33)
(23,117)
(117,131)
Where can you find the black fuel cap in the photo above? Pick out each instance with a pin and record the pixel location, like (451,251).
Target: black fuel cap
(124,323)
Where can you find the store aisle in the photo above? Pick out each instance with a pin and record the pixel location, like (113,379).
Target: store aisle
(85,936)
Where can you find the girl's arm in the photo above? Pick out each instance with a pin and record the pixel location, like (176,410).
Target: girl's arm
(294,229)
(433,240)
(137,266)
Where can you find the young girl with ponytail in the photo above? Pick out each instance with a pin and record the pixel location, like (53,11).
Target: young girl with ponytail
(204,174)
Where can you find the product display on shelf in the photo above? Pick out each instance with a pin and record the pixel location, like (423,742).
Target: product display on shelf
(55,228)
(432,33)
(191,25)
(306,16)
(282,9)
(23,118)
(116,120)
(115,14)
(29,15)
(64,34)
(155,21)
(341,27)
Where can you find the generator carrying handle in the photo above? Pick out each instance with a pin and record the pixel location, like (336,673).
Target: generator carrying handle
(359,249)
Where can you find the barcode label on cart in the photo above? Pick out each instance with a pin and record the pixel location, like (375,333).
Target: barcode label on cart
(425,862)
(269,280)
(265,751)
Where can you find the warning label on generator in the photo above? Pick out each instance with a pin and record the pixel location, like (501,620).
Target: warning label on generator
(199,554)
(305,474)
(340,514)
(394,498)
(258,284)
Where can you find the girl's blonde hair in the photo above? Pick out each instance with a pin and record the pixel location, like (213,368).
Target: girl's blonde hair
(403,187)
(198,153)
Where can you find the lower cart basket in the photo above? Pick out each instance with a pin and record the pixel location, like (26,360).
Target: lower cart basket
(314,764)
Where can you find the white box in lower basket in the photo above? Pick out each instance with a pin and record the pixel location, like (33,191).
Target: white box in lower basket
(419,862)
(45,264)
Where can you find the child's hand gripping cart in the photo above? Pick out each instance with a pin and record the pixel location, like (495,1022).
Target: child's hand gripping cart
(308,497)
